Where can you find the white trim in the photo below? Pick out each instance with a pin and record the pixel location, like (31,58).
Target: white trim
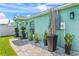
(36,15)
(65,6)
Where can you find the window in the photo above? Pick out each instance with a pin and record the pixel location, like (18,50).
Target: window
(32,26)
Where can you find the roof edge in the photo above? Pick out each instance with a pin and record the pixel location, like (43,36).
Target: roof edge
(65,6)
(33,16)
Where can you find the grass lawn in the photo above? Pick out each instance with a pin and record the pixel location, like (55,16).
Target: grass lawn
(5,48)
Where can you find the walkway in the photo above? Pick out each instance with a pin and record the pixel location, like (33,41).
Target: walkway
(25,49)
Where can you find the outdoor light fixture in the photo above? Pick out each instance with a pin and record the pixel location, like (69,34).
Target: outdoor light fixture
(71,15)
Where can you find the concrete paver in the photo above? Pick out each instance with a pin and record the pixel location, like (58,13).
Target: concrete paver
(29,50)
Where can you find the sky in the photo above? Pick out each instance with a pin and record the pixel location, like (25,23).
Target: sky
(9,10)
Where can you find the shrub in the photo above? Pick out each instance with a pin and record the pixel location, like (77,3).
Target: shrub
(30,36)
(68,39)
(68,42)
(44,36)
(35,37)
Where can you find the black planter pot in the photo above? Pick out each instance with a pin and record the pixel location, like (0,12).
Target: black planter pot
(23,32)
(16,32)
(45,42)
(67,49)
(52,42)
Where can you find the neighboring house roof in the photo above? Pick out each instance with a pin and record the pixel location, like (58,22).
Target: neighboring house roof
(45,12)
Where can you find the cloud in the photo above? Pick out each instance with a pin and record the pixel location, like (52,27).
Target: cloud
(23,8)
(3,19)
(2,16)
(42,7)
(28,15)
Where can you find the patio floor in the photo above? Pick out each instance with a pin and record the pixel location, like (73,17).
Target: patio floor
(29,48)
(23,48)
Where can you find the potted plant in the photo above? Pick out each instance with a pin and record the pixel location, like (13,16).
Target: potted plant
(36,37)
(45,38)
(23,32)
(68,43)
(30,36)
(17,32)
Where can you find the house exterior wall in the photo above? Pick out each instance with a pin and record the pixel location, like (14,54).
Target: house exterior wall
(19,23)
(41,25)
(71,26)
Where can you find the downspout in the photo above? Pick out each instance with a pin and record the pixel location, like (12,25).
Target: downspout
(59,34)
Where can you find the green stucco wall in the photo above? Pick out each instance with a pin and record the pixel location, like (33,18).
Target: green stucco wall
(71,26)
(41,24)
